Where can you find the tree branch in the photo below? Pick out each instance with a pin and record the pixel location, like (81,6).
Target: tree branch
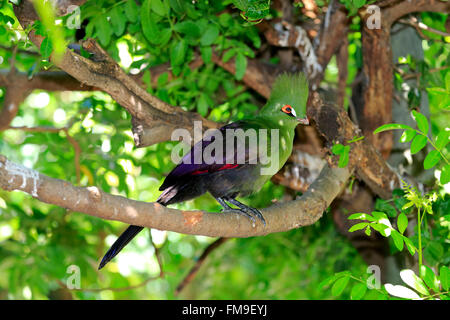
(105,74)
(335,126)
(280,217)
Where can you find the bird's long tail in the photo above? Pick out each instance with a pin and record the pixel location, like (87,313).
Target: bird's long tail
(169,196)
(120,243)
(125,238)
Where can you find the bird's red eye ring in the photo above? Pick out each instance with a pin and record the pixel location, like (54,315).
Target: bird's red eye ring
(286,109)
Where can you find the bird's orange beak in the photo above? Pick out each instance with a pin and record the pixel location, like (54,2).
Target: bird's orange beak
(304,120)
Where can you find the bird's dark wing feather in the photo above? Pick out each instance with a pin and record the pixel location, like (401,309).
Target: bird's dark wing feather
(188,166)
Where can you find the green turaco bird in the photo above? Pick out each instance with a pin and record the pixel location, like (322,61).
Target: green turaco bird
(226,175)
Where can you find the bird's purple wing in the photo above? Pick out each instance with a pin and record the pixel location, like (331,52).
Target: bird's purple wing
(193,163)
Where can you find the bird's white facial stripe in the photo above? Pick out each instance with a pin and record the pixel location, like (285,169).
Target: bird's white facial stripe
(293,112)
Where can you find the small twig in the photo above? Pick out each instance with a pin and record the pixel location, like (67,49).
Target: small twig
(157,254)
(407,76)
(193,272)
(422,26)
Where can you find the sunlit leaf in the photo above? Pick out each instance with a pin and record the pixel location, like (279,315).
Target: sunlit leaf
(358,226)
(429,277)
(358,291)
(432,159)
(442,139)
(402,222)
(339,286)
(445,174)
(398,239)
(444,277)
(392,126)
(418,143)
(421,120)
(401,291)
(411,279)
(407,135)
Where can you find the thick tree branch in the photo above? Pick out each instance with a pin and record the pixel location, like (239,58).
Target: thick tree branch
(335,126)
(280,217)
(377,69)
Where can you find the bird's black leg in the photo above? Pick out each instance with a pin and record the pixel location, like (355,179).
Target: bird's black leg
(245,208)
(240,211)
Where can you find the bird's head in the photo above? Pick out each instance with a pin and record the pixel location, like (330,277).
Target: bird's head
(288,99)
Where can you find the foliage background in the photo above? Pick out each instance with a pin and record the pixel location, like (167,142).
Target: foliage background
(38,242)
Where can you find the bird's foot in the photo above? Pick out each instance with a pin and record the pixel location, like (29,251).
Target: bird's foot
(244,210)
(243,213)
(257,214)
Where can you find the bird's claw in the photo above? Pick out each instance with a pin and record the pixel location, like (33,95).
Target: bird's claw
(250,213)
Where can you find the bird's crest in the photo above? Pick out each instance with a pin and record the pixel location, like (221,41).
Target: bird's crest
(290,89)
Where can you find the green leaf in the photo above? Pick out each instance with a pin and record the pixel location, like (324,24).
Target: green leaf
(328,281)
(339,286)
(361,216)
(430,278)
(444,277)
(165,36)
(408,205)
(384,206)
(445,174)
(421,120)
(131,11)
(118,20)
(447,81)
(407,135)
(358,291)
(206,53)
(241,66)
(210,35)
(402,222)
(46,48)
(178,6)
(392,126)
(337,148)
(149,27)
(433,252)
(343,159)
(401,291)
(418,143)
(358,226)
(368,231)
(398,239)
(159,8)
(411,279)
(409,245)
(178,52)
(103,28)
(228,55)
(379,215)
(202,106)
(442,139)
(188,28)
(431,159)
